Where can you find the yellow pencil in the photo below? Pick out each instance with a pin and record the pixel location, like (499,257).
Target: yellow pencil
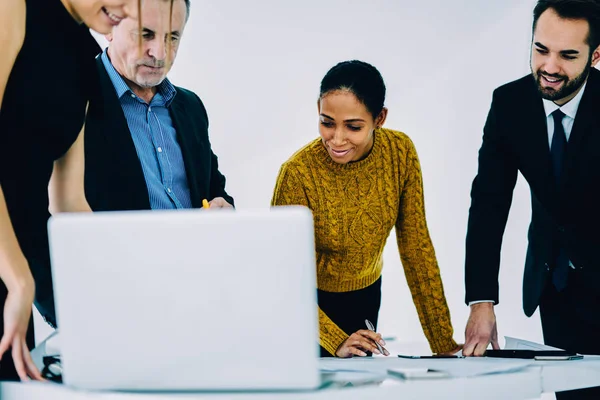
(205,203)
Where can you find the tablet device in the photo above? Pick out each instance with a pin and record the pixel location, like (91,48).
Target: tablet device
(541,355)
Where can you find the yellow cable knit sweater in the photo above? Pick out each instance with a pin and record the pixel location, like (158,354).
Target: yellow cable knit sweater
(355,206)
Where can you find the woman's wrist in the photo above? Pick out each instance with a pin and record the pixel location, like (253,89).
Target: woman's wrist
(18,278)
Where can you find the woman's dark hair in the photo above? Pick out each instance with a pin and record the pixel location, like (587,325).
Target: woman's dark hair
(361,79)
(588,10)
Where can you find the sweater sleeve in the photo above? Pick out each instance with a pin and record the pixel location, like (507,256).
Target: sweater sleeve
(419,260)
(289,190)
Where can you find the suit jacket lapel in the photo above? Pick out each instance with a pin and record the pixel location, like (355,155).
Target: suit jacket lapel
(128,169)
(586,115)
(537,150)
(192,149)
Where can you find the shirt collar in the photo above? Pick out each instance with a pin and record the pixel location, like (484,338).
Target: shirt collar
(166,88)
(570,109)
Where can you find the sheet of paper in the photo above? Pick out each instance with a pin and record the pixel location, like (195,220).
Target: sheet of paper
(49,346)
(351,378)
(520,344)
(53,344)
(457,368)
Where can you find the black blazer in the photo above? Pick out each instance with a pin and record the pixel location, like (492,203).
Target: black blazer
(114,179)
(516,139)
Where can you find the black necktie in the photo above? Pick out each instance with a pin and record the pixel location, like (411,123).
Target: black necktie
(558,150)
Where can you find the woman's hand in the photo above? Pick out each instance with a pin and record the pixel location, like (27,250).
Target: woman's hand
(359,343)
(219,202)
(17,312)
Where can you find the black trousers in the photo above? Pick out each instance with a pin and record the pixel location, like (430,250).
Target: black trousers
(7,367)
(571,321)
(350,309)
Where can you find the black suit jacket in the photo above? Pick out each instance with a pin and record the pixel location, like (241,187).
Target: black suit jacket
(516,139)
(114,179)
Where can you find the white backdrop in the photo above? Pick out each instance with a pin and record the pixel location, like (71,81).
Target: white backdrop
(257,66)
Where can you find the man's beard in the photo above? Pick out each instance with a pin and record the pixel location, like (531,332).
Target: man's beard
(150,83)
(568,87)
(151,80)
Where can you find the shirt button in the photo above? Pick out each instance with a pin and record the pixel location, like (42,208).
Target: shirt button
(159,149)
(133,95)
(169,190)
(149,109)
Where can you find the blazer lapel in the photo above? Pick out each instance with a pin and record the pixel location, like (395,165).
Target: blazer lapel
(192,149)
(537,150)
(586,115)
(126,164)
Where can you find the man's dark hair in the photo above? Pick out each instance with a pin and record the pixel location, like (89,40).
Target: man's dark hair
(187,9)
(588,10)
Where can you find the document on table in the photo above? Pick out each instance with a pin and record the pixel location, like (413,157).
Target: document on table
(352,378)
(456,368)
(49,346)
(53,344)
(512,343)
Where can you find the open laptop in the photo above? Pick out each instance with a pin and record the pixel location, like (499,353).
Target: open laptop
(187,300)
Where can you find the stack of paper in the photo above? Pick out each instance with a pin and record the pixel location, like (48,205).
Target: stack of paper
(512,343)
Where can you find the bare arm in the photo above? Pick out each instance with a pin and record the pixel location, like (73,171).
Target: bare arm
(14,270)
(66,190)
(12,34)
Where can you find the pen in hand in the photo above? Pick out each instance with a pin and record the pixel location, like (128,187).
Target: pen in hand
(381,349)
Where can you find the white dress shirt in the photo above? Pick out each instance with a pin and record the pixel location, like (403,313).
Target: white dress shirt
(569,109)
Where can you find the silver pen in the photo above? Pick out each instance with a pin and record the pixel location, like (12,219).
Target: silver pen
(372,329)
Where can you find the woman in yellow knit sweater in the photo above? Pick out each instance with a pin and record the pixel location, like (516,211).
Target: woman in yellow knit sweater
(360,180)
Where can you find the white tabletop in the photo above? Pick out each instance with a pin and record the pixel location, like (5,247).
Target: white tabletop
(569,375)
(522,385)
(527,383)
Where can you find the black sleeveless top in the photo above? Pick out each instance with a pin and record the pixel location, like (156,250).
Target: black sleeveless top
(41,116)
